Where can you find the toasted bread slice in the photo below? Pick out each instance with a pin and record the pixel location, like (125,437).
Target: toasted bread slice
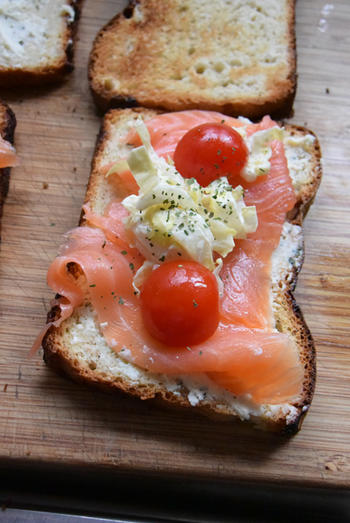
(36,40)
(7,130)
(234,57)
(78,348)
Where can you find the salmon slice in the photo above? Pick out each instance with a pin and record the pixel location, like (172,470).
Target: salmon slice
(111,223)
(123,180)
(165,141)
(99,259)
(246,270)
(246,361)
(8,157)
(265,123)
(245,355)
(166,130)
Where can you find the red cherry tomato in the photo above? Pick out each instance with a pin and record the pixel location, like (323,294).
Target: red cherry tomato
(210,151)
(180,303)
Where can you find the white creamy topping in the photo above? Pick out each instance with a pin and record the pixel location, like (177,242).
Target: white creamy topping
(172,216)
(298,153)
(258,144)
(67,10)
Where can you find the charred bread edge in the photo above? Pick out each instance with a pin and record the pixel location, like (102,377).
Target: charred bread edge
(61,362)
(278,108)
(51,73)
(7,130)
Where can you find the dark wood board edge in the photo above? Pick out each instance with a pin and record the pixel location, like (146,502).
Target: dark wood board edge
(39,486)
(83,472)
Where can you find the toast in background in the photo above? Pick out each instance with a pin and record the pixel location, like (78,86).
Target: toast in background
(7,129)
(36,40)
(234,57)
(78,348)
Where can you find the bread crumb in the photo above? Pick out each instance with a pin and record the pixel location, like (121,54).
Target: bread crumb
(5,387)
(68,11)
(331,466)
(45,185)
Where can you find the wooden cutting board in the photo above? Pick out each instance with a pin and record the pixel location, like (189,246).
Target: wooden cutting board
(47,418)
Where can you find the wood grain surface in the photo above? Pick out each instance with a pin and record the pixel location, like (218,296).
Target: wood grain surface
(45,417)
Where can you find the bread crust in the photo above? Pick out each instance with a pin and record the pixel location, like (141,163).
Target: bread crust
(7,131)
(136,90)
(289,318)
(52,72)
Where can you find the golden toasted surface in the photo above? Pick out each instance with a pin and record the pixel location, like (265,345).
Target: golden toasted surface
(235,57)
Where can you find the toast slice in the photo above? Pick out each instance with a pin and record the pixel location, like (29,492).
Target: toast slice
(78,348)
(37,40)
(7,130)
(234,57)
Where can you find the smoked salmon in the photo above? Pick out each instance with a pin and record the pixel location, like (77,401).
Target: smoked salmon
(246,355)
(8,157)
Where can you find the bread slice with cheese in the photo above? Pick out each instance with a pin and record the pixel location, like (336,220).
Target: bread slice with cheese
(234,57)
(7,130)
(36,40)
(78,348)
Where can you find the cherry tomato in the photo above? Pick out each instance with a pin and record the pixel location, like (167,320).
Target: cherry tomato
(210,151)
(180,303)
